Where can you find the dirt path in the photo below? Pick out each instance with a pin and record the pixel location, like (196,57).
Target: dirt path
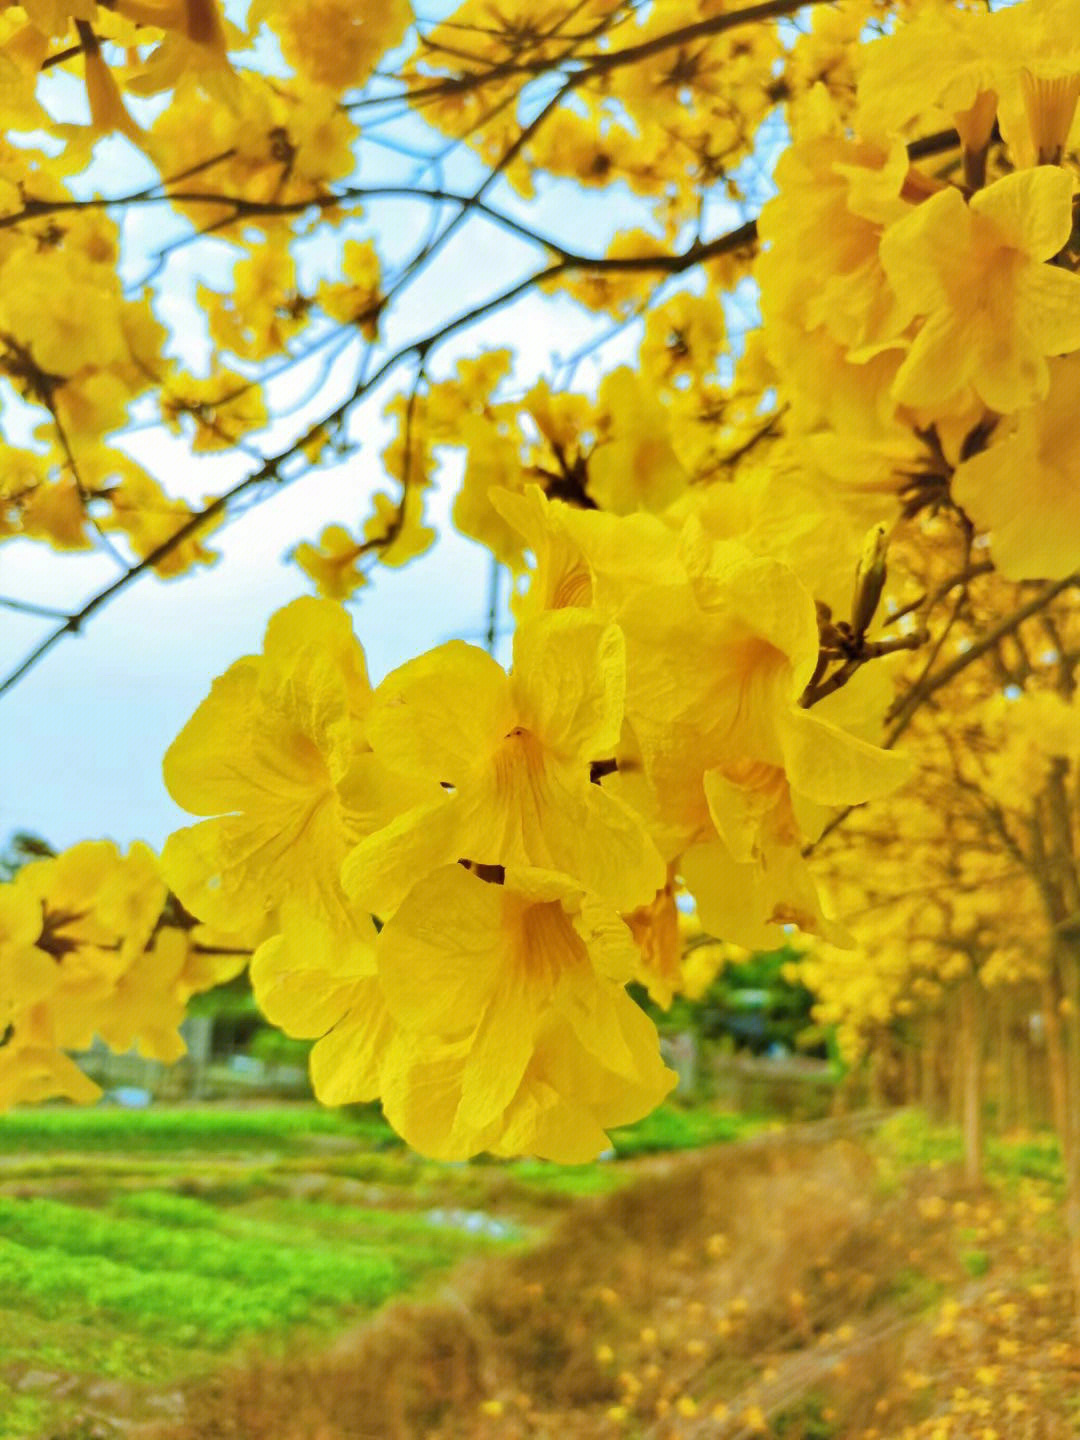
(770,1288)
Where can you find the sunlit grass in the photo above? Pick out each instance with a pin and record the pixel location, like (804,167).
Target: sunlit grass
(143,1246)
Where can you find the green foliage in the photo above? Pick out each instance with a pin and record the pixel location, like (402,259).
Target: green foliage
(274,1047)
(909,1140)
(752,1002)
(20,849)
(1034,1157)
(182,1236)
(20,1415)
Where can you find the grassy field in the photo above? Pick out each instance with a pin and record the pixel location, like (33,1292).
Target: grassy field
(140,1248)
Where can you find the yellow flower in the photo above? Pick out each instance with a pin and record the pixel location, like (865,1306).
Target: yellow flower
(324,989)
(332,563)
(63,310)
(634,467)
(517,1032)
(1023,488)
(356,300)
(149,517)
(30,1073)
(107,112)
(716,668)
(147,1004)
(584,558)
(992,310)
(331,42)
(81,955)
(493,463)
(941,62)
(396,530)
(276,754)
(655,928)
(513,753)
(27,974)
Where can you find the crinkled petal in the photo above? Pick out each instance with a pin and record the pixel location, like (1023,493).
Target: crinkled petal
(381,870)
(439,958)
(347,1064)
(441,714)
(1032,209)
(569,682)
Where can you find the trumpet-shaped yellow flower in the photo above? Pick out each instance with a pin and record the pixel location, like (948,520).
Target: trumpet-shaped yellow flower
(97,910)
(277,756)
(513,753)
(992,310)
(332,563)
(634,466)
(517,1034)
(585,559)
(83,954)
(717,667)
(333,43)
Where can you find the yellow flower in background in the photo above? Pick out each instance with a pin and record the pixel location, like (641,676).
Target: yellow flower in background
(332,563)
(396,531)
(147,1004)
(655,928)
(513,754)
(992,310)
(357,299)
(634,465)
(938,65)
(30,1073)
(332,42)
(27,974)
(517,1035)
(716,668)
(98,908)
(84,954)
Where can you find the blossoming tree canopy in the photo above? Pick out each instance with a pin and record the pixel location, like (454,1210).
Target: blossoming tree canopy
(746,565)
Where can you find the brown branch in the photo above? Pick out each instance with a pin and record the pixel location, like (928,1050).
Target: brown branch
(931,683)
(271,467)
(603,62)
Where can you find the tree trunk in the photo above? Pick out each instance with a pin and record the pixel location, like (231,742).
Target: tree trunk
(1056,1062)
(970,1061)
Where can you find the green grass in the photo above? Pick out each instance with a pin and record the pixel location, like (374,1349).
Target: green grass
(670,1128)
(297,1128)
(908,1140)
(183,1281)
(144,1246)
(105,1128)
